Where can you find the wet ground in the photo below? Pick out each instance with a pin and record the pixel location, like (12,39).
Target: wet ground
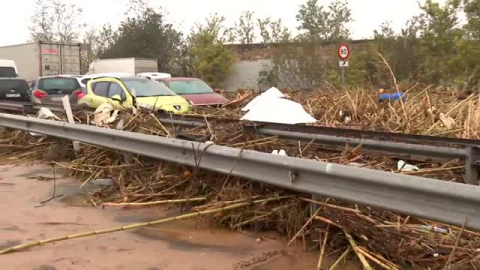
(185,245)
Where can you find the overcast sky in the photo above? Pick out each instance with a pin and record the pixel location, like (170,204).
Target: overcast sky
(367,14)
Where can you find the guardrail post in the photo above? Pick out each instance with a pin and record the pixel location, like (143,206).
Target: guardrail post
(471,165)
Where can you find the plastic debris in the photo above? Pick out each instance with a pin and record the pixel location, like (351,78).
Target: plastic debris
(434,228)
(45,113)
(146,106)
(102,182)
(105,114)
(280,152)
(271,107)
(447,121)
(356,164)
(404,167)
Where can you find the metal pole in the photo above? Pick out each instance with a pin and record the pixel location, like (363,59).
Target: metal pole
(343,75)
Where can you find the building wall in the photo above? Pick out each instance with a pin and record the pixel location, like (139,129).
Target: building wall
(254,58)
(245,74)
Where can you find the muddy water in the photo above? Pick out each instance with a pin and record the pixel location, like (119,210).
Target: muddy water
(181,245)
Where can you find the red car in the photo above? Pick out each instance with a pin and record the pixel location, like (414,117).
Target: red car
(194,90)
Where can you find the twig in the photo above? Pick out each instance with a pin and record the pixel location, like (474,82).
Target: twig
(331,206)
(169,135)
(360,256)
(396,86)
(156,203)
(434,170)
(129,227)
(54,195)
(304,226)
(344,254)
(375,260)
(322,251)
(450,258)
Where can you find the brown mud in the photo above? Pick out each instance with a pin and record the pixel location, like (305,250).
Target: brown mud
(190,244)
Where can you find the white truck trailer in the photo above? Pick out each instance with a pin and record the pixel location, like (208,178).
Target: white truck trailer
(39,59)
(131,66)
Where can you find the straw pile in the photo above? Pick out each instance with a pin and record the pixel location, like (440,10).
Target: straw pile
(379,239)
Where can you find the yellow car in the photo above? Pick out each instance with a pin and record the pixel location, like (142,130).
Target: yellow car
(126,92)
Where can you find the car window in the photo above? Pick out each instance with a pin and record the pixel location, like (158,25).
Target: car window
(14,84)
(101,89)
(7,72)
(116,89)
(146,87)
(190,87)
(58,85)
(85,81)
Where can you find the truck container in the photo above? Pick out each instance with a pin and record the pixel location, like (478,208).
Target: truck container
(39,59)
(124,65)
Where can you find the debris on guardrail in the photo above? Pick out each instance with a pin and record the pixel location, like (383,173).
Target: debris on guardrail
(394,240)
(280,152)
(402,166)
(45,113)
(105,114)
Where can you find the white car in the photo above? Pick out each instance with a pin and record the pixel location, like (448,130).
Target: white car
(155,75)
(8,69)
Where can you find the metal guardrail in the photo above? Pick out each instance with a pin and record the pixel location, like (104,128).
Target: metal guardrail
(467,152)
(442,201)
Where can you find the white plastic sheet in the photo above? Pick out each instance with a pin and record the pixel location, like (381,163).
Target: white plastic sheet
(404,167)
(272,107)
(270,94)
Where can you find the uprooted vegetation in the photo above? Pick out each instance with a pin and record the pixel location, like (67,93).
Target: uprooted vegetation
(387,240)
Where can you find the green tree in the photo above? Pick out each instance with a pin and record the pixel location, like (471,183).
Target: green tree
(145,35)
(273,31)
(319,23)
(472,11)
(440,35)
(302,65)
(211,60)
(245,28)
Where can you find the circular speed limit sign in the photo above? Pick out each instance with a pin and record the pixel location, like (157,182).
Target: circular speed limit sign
(343,52)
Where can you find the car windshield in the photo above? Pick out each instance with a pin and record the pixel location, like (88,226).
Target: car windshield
(7,72)
(190,87)
(54,85)
(147,88)
(14,84)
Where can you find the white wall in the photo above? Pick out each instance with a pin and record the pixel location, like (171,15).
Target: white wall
(245,74)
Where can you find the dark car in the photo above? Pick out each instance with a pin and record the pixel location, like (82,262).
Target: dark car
(51,90)
(194,90)
(14,89)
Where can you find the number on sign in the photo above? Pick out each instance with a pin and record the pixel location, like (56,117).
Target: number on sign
(343,52)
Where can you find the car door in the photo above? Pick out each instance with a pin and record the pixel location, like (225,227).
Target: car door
(117,90)
(100,93)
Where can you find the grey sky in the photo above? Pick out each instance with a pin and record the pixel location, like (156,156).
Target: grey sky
(368,14)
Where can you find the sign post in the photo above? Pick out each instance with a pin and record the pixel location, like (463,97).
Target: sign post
(343,53)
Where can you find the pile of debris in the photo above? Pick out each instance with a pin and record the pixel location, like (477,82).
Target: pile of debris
(377,238)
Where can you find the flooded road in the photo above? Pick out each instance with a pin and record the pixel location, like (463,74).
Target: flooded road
(183,245)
